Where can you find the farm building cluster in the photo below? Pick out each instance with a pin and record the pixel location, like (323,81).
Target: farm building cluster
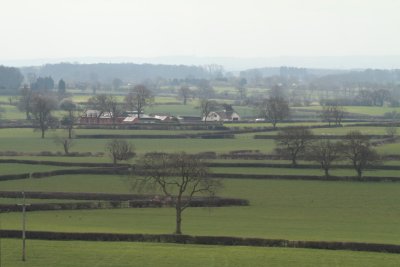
(97,117)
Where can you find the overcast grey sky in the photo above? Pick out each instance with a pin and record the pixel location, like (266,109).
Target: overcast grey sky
(205,28)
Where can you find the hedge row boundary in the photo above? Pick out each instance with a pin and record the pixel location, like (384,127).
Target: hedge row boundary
(124,171)
(157,136)
(305,177)
(136,203)
(108,166)
(333,136)
(203,240)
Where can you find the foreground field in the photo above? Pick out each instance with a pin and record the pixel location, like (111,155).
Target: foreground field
(295,210)
(121,254)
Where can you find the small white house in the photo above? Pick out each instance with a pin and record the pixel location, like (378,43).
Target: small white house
(222,116)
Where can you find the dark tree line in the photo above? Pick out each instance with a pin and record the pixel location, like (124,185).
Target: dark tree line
(43,83)
(10,78)
(107,73)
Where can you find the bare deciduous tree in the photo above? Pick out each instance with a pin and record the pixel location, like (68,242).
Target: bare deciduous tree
(24,103)
(179,176)
(324,152)
(206,107)
(41,108)
(356,147)
(120,150)
(273,109)
(292,142)
(106,104)
(185,93)
(65,142)
(69,120)
(391,130)
(138,98)
(332,113)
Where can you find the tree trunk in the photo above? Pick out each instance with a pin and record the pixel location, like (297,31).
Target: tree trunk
(43,133)
(294,162)
(359,172)
(70,132)
(274,124)
(326,172)
(178,230)
(114,124)
(66,147)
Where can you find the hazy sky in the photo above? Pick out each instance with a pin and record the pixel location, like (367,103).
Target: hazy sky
(206,28)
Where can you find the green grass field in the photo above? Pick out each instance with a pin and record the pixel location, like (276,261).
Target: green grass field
(364,110)
(11,168)
(25,140)
(297,210)
(124,254)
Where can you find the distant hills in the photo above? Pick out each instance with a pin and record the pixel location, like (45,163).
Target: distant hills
(235,64)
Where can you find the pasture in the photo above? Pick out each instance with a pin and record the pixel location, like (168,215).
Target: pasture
(279,209)
(295,210)
(123,254)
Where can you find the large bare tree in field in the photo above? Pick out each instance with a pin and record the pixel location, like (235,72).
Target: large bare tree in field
(41,108)
(185,93)
(292,142)
(179,176)
(24,103)
(357,148)
(332,113)
(138,98)
(106,104)
(273,109)
(325,153)
(120,150)
(68,121)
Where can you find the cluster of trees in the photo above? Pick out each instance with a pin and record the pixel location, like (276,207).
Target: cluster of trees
(136,100)
(106,73)
(332,113)
(10,78)
(39,107)
(43,83)
(373,97)
(354,147)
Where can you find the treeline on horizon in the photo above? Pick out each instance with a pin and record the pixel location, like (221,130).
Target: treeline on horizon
(12,78)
